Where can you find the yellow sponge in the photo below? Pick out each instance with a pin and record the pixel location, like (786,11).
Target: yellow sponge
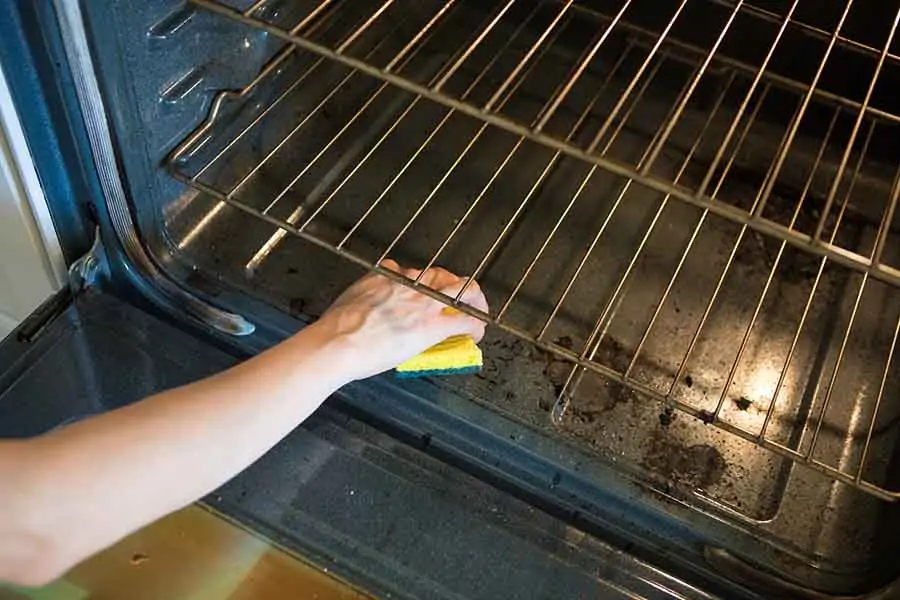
(455,355)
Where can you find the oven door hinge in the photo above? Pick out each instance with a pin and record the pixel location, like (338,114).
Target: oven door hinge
(85,272)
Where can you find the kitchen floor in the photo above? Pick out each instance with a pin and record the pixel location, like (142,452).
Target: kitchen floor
(197,554)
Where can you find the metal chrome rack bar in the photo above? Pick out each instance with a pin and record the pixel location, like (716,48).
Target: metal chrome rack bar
(583,117)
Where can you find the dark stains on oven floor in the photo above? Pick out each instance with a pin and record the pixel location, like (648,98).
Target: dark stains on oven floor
(697,465)
(600,395)
(599,410)
(677,453)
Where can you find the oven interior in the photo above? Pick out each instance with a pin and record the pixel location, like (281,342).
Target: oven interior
(683,218)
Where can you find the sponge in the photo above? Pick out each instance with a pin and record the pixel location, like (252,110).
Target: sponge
(454,356)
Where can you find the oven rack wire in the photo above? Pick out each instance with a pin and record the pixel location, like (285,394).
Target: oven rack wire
(324,30)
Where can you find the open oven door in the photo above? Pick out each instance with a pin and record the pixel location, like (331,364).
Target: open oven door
(357,502)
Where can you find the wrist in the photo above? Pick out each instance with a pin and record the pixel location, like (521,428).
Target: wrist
(334,352)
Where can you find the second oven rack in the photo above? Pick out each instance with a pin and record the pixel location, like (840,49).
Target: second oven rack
(356,39)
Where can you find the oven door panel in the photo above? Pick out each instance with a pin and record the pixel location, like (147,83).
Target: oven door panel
(351,499)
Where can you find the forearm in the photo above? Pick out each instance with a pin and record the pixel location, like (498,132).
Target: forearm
(74,491)
(116,472)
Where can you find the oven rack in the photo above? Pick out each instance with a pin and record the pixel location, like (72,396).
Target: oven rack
(391,71)
(327,30)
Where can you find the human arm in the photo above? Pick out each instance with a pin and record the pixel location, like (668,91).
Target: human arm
(78,489)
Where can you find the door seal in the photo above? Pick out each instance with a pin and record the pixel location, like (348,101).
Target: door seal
(776,586)
(85,271)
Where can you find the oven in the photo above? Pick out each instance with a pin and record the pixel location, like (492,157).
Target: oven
(683,215)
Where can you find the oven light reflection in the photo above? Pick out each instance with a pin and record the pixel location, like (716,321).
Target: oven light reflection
(752,398)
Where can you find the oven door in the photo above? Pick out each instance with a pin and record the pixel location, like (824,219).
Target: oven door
(359,504)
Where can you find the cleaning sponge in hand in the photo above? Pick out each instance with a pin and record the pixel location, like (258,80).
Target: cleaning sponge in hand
(455,355)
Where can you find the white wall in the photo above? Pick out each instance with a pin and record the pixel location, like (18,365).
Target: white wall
(31,264)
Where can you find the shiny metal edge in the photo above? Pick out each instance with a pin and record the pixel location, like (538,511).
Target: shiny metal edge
(88,91)
(28,182)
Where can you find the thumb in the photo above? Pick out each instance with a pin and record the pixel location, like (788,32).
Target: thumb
(473,296)
(453,322)
(457,322)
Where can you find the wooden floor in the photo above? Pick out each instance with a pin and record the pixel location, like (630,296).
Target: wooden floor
(193,554)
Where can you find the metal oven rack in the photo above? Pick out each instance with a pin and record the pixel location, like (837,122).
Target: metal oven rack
(833,140)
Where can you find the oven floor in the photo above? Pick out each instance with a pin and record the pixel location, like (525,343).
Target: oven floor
(672,452)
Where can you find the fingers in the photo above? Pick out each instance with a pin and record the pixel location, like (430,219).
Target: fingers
(391,265)
(442,280)
(435,278)
(473,295)
(458,323)
(438,278)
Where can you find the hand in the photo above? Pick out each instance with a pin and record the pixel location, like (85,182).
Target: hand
(380,323)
